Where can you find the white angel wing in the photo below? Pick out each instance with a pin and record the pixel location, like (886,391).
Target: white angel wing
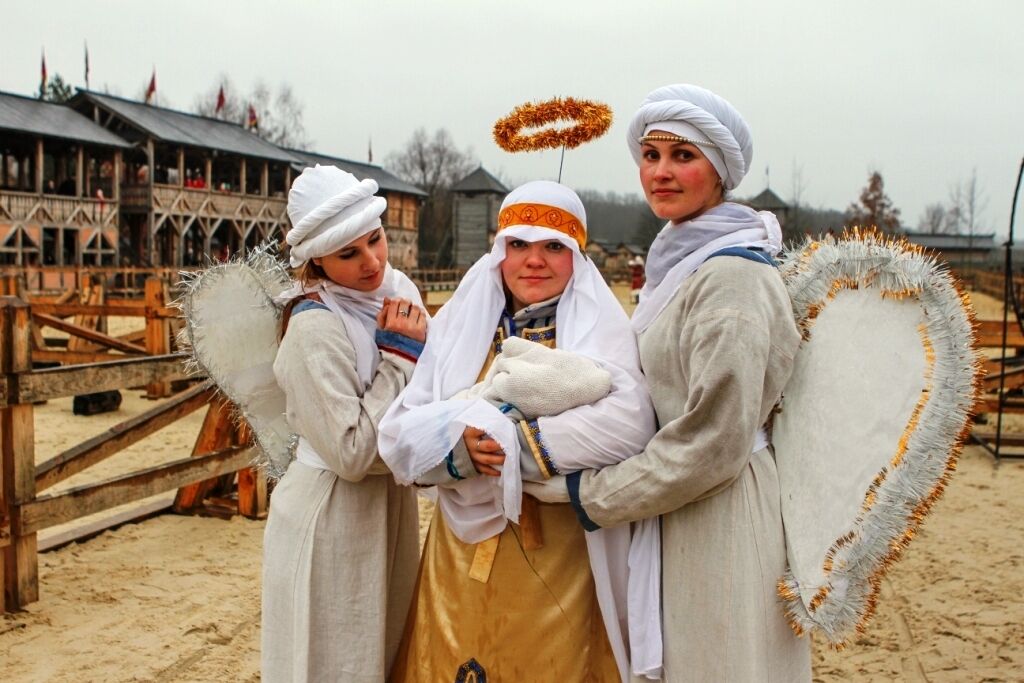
(232,326)
(871,421)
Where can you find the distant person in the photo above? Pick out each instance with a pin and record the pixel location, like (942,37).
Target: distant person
(636,276)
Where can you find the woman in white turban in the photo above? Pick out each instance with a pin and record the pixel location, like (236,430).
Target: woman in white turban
(511,589)
(717,341)
(340,548)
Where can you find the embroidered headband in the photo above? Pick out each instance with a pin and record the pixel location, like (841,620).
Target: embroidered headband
(544,216)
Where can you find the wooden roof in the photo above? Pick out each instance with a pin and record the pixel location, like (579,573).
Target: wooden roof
(480,181)
(385,179)
(177,127)
(31,116)
(767,200)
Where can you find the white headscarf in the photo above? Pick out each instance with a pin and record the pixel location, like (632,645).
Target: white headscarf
(681,248)
(329,209)
(713,117)
(424,423)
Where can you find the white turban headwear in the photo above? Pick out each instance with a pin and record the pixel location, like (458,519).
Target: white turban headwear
(329,208)
(689,110)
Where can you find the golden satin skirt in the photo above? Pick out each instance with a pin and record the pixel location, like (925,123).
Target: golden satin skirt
(535,618)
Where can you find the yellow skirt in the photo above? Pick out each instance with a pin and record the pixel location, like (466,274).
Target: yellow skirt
(534,618)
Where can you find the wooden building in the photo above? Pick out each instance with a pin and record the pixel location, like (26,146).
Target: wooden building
(402,219)
(59,186)
(961,252)
(475,203)
(192,185)
(769,201)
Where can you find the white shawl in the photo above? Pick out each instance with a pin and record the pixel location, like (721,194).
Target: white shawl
(425,423)
(681,248)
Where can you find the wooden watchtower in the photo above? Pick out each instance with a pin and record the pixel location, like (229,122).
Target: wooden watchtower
(59,186)
(192,185)
(475,203)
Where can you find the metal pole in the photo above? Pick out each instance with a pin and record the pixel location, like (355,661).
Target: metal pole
(1008,296)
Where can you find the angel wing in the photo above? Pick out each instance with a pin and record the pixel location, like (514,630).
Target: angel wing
(872,420)
(232,326)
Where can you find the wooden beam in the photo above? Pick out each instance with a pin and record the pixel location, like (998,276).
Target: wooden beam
(77,357)
(79,171)
(121,435)
(87,333)
(95,528)
(66,310)
(39,166)
(217,433)
(43,385)
(17,459)
(78,502)
(158,340)
(990,334)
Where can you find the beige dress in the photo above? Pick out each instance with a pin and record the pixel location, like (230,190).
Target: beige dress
(716,360)
(340,548)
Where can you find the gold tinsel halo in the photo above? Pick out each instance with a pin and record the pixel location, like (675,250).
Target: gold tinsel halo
(593,119)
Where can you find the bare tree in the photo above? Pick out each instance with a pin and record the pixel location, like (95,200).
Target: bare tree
(279,114)
(875,208)
(434,164)
(934,219)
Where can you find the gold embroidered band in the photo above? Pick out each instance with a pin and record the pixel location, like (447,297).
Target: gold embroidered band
(544,216)
(675,138)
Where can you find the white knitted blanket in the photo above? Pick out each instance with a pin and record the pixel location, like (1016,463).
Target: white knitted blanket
(540,381)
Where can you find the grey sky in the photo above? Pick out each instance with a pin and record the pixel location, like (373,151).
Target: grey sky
(922,91)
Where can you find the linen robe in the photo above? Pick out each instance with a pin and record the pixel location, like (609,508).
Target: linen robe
(716,360)
(341,546)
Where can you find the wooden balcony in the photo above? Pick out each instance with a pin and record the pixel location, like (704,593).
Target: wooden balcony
(26,208)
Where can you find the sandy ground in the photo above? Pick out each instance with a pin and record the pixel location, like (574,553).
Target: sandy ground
(177,598)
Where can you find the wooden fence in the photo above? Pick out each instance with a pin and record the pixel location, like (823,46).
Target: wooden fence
(127,282)
(205,478)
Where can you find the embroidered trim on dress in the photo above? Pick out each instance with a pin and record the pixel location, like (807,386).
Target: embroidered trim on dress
(540,452)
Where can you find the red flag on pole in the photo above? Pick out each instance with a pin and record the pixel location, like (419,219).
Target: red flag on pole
(254,123)
(42,78)
(151,90)
(221,100)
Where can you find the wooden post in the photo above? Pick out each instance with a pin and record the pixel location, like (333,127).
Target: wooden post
(208,170)
(217,433)
(39,166)
(157,338)
(264,179)
(79,169)
(118,163)
(20,568)
(241,177)
(181,167)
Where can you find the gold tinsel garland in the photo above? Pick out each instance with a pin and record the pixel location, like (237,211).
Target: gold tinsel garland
(593,119)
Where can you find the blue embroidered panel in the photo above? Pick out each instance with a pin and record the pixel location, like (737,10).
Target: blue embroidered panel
(308,305)
(534,428)
(471,672)
(744,252)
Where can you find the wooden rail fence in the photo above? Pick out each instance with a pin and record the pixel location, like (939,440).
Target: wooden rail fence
(205,481)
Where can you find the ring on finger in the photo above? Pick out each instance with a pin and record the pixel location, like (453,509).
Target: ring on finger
(405,312)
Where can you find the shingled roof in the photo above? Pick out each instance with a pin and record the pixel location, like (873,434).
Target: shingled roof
(178,127)
(35,117)
(385,179)
(767,200)
(480,181)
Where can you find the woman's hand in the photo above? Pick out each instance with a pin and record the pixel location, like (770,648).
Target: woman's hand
(402,317)
(484,451)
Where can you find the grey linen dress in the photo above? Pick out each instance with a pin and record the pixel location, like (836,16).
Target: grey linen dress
(340,550)
(716,360)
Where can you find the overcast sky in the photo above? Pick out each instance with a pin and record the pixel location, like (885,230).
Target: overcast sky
(923,91)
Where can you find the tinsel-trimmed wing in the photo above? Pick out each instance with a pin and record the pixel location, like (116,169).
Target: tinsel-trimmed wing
(232,326)
(872,420)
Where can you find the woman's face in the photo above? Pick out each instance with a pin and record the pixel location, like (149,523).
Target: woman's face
(535,271)
(360,263)
(679,181)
